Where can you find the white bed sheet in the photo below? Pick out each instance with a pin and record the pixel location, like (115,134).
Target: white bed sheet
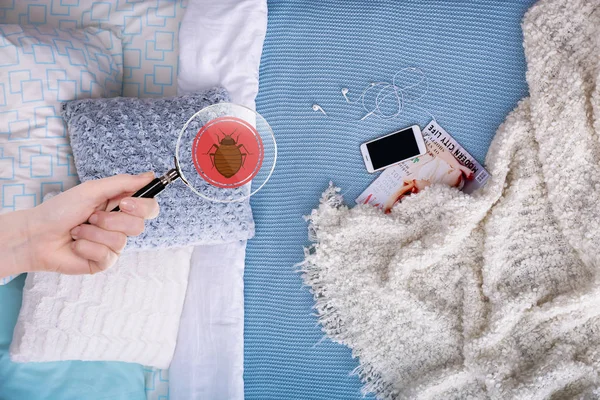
(220,44)
(208,361)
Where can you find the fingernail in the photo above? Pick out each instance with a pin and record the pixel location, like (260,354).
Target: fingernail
(74,232)
(127,205)
(93,219)
(148,174)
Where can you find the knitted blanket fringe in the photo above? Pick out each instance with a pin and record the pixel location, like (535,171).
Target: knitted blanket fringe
(329,317)
(494,295)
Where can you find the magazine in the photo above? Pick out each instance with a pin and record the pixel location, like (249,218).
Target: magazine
(445,162)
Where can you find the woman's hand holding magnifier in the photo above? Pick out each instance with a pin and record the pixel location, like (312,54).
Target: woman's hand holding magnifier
(54,236)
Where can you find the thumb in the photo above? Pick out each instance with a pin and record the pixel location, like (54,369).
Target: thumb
(104,189)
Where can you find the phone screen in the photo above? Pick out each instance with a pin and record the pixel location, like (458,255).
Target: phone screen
(393,148)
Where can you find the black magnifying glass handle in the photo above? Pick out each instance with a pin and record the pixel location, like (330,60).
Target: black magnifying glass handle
(156,186)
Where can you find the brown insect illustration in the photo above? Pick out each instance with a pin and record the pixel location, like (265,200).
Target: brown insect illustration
(228,156)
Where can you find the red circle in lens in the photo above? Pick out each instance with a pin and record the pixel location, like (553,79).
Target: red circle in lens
(227,152)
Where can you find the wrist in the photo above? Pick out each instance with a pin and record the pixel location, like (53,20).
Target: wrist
(15,243)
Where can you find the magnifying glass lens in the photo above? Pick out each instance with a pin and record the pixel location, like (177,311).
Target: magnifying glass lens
(226,152)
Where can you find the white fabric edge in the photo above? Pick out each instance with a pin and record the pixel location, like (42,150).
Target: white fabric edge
(220,44)
(208,361)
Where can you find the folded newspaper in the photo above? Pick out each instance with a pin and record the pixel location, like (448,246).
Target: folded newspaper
(445,162)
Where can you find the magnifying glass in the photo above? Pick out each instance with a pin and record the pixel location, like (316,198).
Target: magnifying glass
(225,153)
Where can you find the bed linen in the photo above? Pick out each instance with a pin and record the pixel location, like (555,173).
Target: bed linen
(220,45)
(472,53)
(149,31)
(241,80)
(74,380)
(208,361)
(493,295)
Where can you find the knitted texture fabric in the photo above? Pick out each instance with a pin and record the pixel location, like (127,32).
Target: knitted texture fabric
(132,135)
(129,312)
(494,295)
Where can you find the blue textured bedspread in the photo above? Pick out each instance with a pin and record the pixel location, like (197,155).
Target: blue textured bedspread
(473,56)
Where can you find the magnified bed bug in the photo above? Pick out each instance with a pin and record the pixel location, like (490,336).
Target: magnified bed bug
(228,156)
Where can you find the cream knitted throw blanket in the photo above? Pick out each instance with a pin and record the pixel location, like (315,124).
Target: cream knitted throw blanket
(495,295)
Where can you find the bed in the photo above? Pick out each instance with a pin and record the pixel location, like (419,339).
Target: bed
(149,31)
(472,55)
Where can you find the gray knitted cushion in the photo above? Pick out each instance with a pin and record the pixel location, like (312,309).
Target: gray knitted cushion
(131,135)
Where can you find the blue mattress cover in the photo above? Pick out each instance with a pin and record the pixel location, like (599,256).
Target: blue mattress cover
(472,53)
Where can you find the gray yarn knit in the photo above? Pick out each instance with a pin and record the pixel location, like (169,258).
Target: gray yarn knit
(131,135)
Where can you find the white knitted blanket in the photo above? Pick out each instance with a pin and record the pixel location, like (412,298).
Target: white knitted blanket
(494,295)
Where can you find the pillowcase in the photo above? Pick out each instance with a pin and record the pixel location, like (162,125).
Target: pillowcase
(39,69)
(221,44)
(130,312)
(131,135)
(149,31)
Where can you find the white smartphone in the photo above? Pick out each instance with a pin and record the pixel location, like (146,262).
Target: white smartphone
(391,149)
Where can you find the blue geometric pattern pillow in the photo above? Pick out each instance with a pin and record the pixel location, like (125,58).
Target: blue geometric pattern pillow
(149,31)
(40,68)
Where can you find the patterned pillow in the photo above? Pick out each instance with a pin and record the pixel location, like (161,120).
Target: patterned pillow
(39,69)
(149,31)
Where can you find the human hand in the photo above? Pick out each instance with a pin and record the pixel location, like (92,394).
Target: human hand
(59,240)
